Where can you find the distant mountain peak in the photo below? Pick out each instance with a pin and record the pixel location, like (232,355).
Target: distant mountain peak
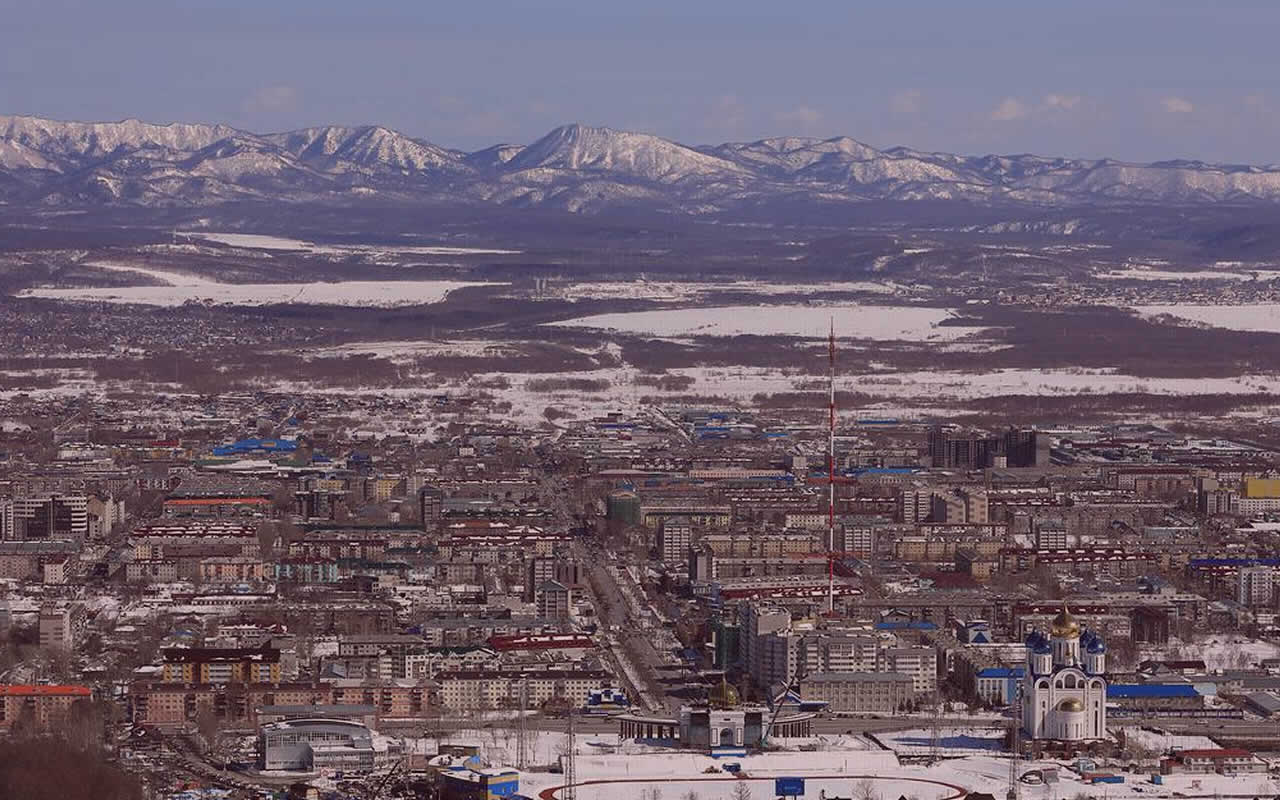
(575,166)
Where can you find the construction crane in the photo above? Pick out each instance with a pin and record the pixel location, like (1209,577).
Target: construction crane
(777,706)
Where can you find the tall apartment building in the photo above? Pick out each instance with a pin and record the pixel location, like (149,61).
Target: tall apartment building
(674,540)
(553,600)
(105,515)
(949,507)
(62,626)
(218,665)
(754,622)
(915,504)
(920,663)
(1026,448)
(821,651)
(1255,586)
(538,570)
(857,538)
(976,506)
(1051,534)
(956,451)
(777,658)
(49,517)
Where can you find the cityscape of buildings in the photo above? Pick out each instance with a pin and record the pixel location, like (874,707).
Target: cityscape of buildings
(254,599)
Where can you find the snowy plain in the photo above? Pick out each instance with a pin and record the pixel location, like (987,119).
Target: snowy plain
(881,323)
(1256,317)
(259,242)
(178,287)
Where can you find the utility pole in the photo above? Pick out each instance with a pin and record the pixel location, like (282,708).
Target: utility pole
(570,765)
(1015,747)
(935,731)
(522,728)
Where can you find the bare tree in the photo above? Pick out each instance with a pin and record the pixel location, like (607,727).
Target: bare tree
(741,791)
(865,789)
(207,723)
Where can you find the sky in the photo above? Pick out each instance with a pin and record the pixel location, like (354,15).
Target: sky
(1137,80)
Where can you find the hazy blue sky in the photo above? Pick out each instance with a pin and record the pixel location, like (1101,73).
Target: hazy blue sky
(1134,79)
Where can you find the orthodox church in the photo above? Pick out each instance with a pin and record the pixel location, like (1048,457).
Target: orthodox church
(1064,690)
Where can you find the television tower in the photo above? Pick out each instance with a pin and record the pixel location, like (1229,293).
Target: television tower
(831,471)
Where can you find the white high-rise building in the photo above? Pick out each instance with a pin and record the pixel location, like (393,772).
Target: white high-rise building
(1064,691)
(1255,586)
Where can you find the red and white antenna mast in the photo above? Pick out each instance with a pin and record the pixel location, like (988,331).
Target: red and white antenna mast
(831,472)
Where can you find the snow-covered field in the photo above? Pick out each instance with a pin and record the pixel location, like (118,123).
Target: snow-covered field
(1258,317)
(882,323)
(1164,742)
(407,350)
(179,288)
(684,290)
(951,742)
(1139,274)
(1223,651)
(258,242)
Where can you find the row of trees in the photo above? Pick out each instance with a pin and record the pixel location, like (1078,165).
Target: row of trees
(72,761)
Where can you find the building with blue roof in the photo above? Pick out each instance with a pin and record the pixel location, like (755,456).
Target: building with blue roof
(1064,687)
(906,625)
(999,685)
(256,447)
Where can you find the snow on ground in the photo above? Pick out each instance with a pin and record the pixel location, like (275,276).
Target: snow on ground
(179,288)
(951,742)
(745,382)
(1139,274)
(259,242)
(414,349)
(1223,651)
(1257,317)
(1164,742)
(882,323)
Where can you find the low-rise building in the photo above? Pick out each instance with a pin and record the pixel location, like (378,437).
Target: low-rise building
(859,692)
(44,706)
(305,745)
(1223,761)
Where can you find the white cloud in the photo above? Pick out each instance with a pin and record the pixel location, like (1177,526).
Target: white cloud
(728,113)
(1177,105)
(1009,109)
(803,116)
(1063,102)
(910,101)
(274,99)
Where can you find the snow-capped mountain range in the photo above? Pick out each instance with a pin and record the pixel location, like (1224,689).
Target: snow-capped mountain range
(574,167)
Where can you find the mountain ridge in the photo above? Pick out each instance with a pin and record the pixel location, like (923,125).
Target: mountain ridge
(574,167)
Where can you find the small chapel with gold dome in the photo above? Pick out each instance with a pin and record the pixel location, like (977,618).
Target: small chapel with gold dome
(1064,688)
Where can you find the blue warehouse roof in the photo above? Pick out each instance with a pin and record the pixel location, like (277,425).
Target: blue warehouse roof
(256,445)
(922,625)
(1001,672)
(1134,691)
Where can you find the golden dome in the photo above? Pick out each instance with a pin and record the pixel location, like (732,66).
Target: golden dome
(1071,704)
(723,696)
(1064,625)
